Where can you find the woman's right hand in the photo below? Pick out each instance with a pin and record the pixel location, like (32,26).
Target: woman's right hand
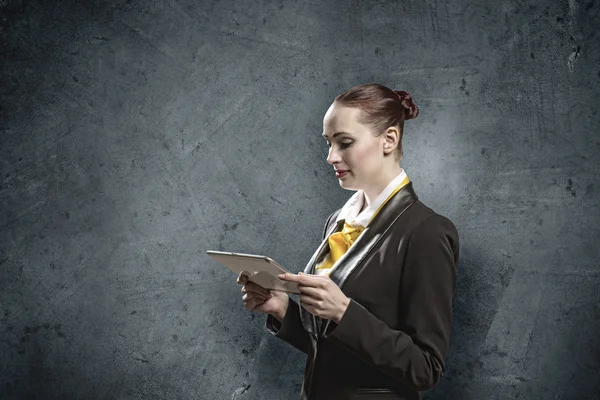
(257,298)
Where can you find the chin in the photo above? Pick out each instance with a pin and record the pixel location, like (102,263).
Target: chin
(347,186)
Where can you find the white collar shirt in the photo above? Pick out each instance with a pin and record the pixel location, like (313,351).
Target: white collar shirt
(352,215)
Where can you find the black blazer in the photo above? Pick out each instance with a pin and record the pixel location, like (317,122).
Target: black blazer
(392,341)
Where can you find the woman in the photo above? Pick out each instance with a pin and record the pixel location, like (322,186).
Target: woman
(375,310)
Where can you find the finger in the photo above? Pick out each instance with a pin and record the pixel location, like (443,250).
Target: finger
(259,289)
(252,295)
(242,277)
(314,281)
(308,307)
(254,287)
(249,287)
(300,279)
(314,276)
(252,303)
(311,291)
(316,303)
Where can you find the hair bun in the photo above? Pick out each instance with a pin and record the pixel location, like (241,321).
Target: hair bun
(410,109)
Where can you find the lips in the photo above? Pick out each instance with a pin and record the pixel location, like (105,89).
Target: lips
(340,172)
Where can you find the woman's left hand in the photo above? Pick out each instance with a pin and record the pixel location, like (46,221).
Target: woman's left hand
(320,295)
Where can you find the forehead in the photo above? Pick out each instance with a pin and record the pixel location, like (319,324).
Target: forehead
(342,119)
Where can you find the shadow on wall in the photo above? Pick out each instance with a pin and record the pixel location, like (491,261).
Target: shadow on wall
(480,286)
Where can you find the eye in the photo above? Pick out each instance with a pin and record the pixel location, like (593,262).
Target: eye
(342,144)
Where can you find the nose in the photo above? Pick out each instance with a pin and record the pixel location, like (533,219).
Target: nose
(333,156)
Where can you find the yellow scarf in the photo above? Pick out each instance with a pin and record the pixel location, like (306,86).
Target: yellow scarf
(340,242)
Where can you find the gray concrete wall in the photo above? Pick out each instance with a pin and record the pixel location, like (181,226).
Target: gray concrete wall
(135,135)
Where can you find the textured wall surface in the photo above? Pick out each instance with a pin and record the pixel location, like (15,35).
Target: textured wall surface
(135,135)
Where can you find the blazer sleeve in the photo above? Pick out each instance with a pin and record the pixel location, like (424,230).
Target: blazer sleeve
(290,328)
(415,355)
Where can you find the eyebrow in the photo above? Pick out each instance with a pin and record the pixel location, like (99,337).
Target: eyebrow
(335,134)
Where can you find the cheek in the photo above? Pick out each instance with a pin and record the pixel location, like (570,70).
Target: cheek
(363,156)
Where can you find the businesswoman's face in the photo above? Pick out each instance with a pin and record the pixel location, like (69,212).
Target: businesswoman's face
(353,147)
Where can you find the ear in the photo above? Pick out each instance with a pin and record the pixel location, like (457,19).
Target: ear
(391,139)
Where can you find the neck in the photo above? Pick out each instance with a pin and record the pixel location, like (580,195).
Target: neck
(377,185)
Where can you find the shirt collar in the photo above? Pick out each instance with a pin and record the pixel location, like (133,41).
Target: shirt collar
(350,210)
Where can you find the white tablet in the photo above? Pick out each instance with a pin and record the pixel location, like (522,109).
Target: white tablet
(262,270)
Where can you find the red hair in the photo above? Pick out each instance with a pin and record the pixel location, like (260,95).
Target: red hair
(381,108)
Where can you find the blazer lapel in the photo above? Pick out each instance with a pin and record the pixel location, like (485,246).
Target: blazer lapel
(354,257)
(323,247)
(370,236)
